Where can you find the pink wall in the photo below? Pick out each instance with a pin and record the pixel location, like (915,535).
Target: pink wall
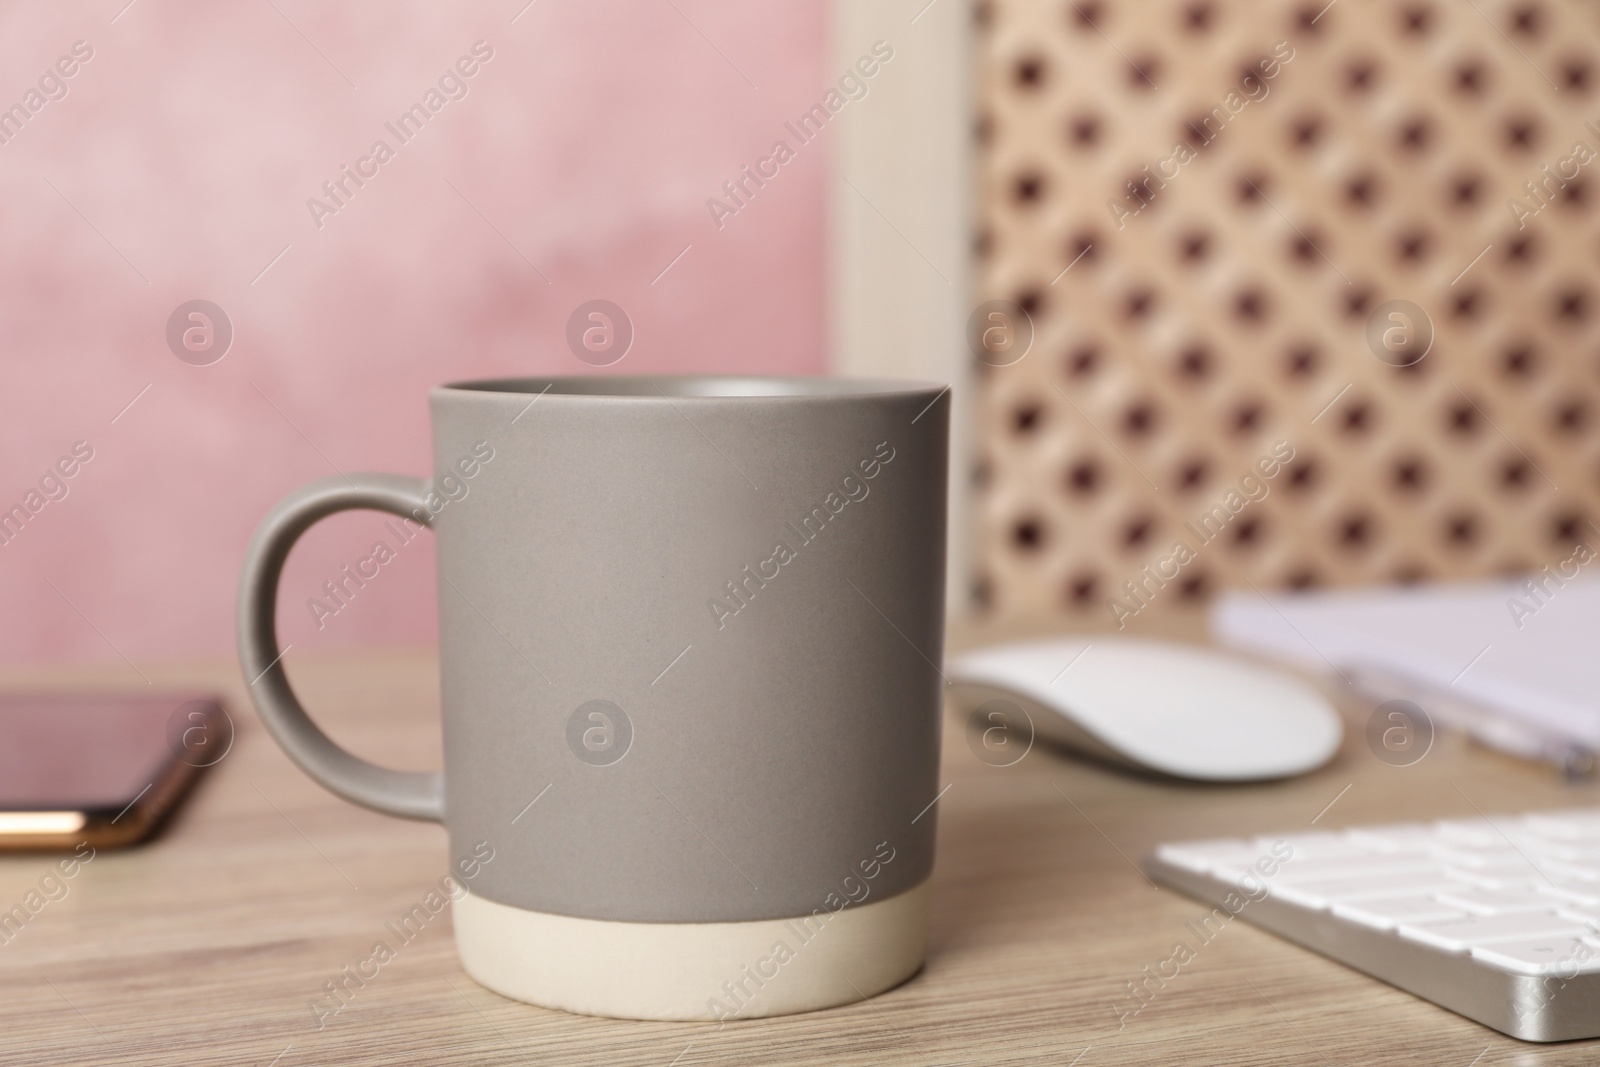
(178,165)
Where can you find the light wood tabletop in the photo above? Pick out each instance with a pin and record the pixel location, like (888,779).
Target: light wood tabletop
(207,945)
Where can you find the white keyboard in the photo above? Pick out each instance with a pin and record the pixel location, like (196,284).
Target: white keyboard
(1497,919)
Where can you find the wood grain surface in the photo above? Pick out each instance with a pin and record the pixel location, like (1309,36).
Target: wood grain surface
(207,945)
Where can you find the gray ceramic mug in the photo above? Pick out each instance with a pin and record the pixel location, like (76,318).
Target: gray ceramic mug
(690,643)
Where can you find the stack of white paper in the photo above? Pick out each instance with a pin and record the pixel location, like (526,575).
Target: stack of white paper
(1525,651)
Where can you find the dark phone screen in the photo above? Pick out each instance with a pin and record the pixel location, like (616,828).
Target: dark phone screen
(85,753)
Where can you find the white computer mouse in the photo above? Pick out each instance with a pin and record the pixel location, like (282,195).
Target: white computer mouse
(1174,709)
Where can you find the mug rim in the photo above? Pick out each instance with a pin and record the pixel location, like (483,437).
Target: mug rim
(672,387)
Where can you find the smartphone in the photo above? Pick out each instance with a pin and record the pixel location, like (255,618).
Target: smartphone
(101,768)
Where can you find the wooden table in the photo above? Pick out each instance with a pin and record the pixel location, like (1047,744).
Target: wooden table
(205,946)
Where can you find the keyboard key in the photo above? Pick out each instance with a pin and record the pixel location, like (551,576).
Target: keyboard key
(1248,863)
(1497,901)
(1338,890)
(1385,913)
(1584,895)
(1523,879)
(1326,846)
(1588,915)
(1373,865)
(1459,935)
(1184,858)
(1499,875)
(1480,833)
(1538,849)
(1566,957)
(1467,856)
(1395,837)
(1588,856)
(1301,898)
(1580,825)
(1551,868)
(1557,828)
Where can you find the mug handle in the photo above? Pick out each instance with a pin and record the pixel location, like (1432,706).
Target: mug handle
(408,794)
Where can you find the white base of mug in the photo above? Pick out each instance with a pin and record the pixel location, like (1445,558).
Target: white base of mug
(693,971)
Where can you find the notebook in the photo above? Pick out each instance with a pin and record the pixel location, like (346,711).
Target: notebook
(1516,662)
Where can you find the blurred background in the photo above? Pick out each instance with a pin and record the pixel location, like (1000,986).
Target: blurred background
(1234,231)
(178,166)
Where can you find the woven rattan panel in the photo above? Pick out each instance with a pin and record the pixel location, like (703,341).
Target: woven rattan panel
(1185,324)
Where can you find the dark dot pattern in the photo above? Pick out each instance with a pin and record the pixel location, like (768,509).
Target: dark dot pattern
(1193,315)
